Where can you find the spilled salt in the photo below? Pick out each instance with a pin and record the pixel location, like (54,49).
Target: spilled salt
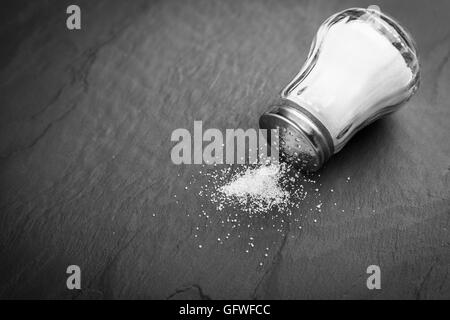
(257,190)
(258,185)
(245,199)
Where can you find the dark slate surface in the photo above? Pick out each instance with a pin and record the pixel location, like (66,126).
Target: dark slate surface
(86,176)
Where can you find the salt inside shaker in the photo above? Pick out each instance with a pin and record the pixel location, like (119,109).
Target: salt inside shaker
(362,65)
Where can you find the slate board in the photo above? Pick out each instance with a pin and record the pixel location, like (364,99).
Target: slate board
(85,170)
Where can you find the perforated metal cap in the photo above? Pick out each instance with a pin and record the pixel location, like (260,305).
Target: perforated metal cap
(304,141)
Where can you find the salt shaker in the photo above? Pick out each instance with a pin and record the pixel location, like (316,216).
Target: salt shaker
(362,65)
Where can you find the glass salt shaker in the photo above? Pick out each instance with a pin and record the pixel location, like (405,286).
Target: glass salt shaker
(362,65)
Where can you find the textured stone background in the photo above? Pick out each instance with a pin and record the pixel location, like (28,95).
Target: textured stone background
(85,124)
